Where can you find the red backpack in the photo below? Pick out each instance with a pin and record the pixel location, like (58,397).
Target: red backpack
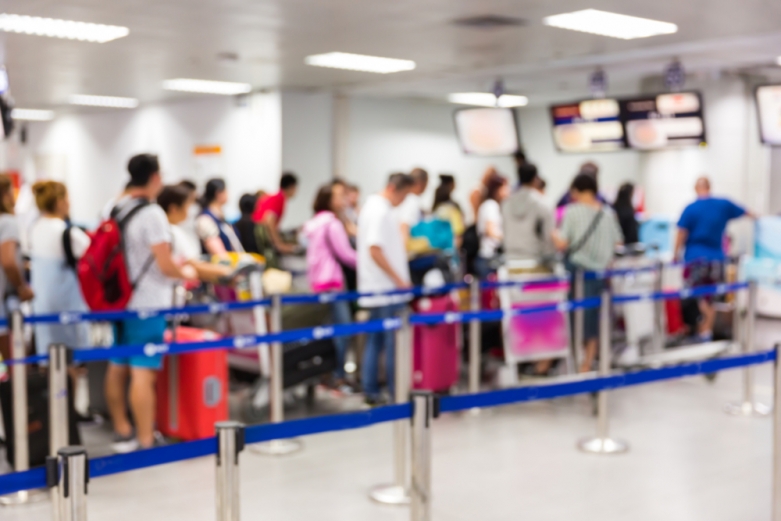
(102,270)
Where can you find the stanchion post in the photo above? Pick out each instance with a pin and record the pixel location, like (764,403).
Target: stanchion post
(397,493)
(19,399)
(70,476)
(58,409)
(659,340)
(603,443)
(475,339)
(577,317)
(423,412)
(776,507)
(277,388)
(748,407)
(230,442)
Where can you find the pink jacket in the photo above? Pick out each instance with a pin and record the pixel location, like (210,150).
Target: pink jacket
(328,248)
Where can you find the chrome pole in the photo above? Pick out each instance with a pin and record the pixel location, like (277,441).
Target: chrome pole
(475,339)
(397,493)
(58,407)
(19,398)
(230,442)
(423,412)
(277,389)
(72,477)
(577,317)
(748,407)
(659,340)
(603,443)
(776,515)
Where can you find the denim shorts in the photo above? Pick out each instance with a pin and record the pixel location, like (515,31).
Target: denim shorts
(134,332)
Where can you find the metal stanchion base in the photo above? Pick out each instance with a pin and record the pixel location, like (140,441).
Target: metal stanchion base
(474,411)
(603,446)
(277,447)
(23,497)
(390,495)
(748,409)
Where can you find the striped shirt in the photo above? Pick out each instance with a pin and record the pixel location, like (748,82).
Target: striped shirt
(597,252)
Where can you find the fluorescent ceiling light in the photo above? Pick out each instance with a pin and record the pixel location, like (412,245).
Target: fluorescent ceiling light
(610,24)
(104,101)
(32,115)
(359,62)
(226,88)
(68,29)
(486,99)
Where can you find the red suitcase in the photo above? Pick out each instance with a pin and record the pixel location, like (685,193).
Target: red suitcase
(192,389)
(674,316)
(435,348)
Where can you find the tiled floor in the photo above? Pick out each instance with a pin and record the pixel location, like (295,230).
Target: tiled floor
(688,462)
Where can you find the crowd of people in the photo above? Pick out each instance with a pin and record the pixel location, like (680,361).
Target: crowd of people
(171,233)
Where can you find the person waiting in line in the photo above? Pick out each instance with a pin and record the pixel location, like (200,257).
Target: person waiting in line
(588,236)
(626,213)
(151,267)
(382,267)
(700,241)
(410,212)
(53,257)
(245,226)
(328,251)
(447,209)
(528,221)
(489,225)
(268,215)
(352,209)
(590,169)
(477,196)
(12,281)
(216,235)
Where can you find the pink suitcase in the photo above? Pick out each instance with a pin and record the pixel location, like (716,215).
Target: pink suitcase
(435,348)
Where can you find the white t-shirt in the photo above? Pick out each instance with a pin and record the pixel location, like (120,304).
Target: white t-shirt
(46,239)
(147,228)
(410,211)
(378,226)
(185,246)
(489,212)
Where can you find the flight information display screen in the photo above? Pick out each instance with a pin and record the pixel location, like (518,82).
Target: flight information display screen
(588,126)
(487,131)
(663,120)
(769,107)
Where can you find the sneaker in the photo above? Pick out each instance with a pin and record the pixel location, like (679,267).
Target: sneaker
(124,444)
(373,401)
(159,441)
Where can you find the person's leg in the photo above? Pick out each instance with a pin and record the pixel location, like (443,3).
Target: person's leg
(389,342)
(371,360)
(341,314)
(143,402)
(590,355)
(591,288)
(708,318)
(115,385)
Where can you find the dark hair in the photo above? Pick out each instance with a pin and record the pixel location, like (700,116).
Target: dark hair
(288,180)
(323,198)
(584,183)
(493,185)
(624,196)
(173,195)
(520,157)
(186,183)
(527,173)
(213,188)
(399,181)
(141,168)
(247,204)
(589,168)
(444,192)
(419,175)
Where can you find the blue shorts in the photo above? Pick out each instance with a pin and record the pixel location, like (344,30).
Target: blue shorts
(135,332)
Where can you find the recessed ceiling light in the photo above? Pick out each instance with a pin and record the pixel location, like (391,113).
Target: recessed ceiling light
(104,101)
(32,115)
(359,62)
(610,24)
(225,88)
(68,29)
(486,99)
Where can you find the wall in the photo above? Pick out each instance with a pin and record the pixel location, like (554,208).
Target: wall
(89,151)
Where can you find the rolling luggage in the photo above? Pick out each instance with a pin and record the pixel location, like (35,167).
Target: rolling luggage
(306,360)
(436,347)
(192,389)
(37,418)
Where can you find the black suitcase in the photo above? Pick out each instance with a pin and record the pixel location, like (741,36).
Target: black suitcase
(305,360)
(37,418)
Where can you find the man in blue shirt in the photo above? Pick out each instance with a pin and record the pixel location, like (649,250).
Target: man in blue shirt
(701,233)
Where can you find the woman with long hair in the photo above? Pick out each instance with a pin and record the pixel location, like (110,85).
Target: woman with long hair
(216,235)
(446,208)
(490,224)
(625,211)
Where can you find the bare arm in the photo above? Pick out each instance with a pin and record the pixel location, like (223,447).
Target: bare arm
(379,257)
(13,271)
(214,246)
(680,242)
(493,231)
(270,221)
(164,260)
(405,233)
(559,241)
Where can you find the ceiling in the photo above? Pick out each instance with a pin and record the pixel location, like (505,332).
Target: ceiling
(264,42)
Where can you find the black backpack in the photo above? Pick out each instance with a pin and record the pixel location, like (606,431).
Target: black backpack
(470,247)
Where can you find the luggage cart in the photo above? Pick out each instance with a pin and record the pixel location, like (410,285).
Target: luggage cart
(536,336)
(642,323)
